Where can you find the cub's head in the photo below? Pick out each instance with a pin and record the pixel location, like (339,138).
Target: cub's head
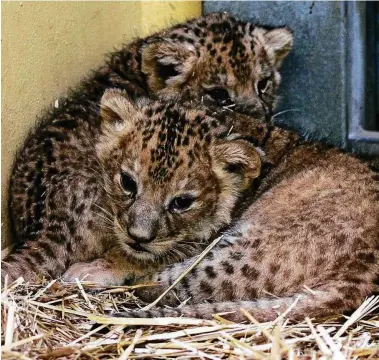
(172,176)
(220,61)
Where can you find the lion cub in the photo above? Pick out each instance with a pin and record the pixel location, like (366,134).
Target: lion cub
(145,188)
(215,59)
(310,235)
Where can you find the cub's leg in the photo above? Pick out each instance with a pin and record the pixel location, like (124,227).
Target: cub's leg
(67,237)
(115,268)
(49,256)
(53,195)
(44,257)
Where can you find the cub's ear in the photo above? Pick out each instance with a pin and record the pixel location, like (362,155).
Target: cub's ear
(278,43)
(117,111)
(238,159)
(167,63)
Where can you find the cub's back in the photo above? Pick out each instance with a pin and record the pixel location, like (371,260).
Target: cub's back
(53,152)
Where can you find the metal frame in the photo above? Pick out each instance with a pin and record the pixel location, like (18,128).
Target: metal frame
(359,109)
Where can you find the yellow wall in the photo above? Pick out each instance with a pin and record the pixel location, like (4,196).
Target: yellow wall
(49,46)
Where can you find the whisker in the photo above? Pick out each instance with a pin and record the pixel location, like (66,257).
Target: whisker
(194,242)
(104,210)
(120,228)
(97,172)
(283,112)
(106,227)
(110,221)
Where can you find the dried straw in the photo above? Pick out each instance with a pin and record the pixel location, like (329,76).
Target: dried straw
(51,320)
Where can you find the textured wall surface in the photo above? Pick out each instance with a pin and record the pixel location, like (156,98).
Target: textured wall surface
(318,95)
(49,46)
(313,74)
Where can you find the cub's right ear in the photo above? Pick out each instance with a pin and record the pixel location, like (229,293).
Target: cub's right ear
(117,111)
(279,43)
(237,159)
(167,63)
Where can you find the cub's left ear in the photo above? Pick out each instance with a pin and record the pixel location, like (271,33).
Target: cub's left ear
(278,43)
(167,63)
(118,115)
(239,159)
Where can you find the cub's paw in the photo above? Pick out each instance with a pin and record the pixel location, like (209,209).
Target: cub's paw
(11,272)
(98,271)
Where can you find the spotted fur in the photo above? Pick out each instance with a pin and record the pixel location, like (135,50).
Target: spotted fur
(88,208)
(311,236)
(186,62)
(220,61)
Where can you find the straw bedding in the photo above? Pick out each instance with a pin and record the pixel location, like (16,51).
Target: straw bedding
(52,320)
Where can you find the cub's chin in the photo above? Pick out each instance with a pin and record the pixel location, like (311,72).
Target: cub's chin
(139,252)
(148,252)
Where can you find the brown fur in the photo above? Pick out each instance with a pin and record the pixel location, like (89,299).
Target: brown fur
(172,153)
(187,62)
(314,224)
(220,61)
(314,221)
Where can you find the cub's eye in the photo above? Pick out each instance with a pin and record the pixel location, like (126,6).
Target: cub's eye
(262,85)
(128,184)
(181,203)
(220,95)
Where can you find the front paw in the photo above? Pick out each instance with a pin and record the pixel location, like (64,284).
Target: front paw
(98,271)
(12,271)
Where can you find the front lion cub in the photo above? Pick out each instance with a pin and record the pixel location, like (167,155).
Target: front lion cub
(147,187)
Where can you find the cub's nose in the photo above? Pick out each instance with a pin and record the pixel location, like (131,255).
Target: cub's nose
(142,235)
(142,221)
